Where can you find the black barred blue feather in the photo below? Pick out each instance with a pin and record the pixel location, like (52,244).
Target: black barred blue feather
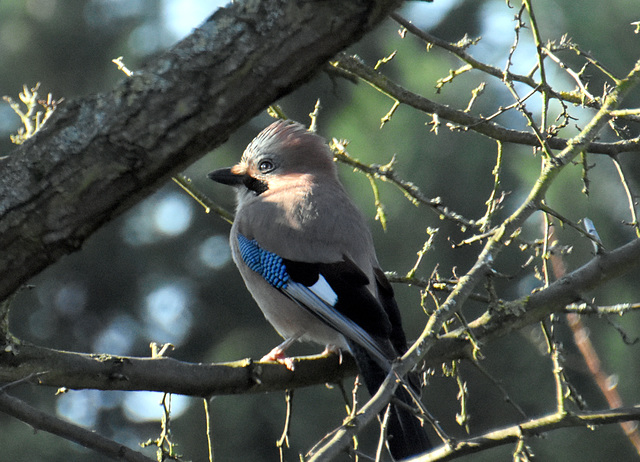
(269,265)
(317,295)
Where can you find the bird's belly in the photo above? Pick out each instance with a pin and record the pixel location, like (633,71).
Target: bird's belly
(291,320)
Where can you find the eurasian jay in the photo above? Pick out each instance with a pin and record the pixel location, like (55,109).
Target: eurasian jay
(307,257)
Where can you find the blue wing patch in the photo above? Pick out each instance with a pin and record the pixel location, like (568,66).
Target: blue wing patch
(320,299)
(269,265)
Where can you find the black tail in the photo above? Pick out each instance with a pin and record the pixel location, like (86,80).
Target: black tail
(406,436)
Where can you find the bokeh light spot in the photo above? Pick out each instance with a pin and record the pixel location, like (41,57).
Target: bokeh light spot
(147,405)
(80,406)
(173,215)
(159,217)
(214,252)
(118,338)
(167,313)
(71,298)
(182,16)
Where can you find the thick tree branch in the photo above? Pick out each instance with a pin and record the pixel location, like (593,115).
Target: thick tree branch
(98,155)
(106,372)
(501,320)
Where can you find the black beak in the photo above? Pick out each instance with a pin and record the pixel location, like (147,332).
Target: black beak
(238,176)
(227,176)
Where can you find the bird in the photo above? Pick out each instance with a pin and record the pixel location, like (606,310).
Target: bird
(307,257)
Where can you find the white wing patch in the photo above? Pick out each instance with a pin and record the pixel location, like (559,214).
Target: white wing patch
(310,300)
(324,291)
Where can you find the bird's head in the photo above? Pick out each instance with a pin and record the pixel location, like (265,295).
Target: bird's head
(283,152)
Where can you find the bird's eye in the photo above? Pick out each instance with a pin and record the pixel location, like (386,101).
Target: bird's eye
(265,166)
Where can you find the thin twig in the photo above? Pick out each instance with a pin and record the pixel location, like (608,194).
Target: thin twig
(631,199)
(438,285)
(487,128)
(422,252)
(588,308)
(565,221)
(26,379)
(539,426)
(590,356)
(283,441)
(486,68)
(209,206)
(207,416)
(537,39)
(386,173)
(493,203)
(505,395)
(574,75)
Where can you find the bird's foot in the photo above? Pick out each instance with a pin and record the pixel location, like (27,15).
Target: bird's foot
(279,356)
(332,349)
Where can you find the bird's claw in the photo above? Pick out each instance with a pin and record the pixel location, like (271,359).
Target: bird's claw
(278,355)
(332,349)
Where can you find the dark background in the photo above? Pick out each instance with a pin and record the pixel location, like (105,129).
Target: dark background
(162,272)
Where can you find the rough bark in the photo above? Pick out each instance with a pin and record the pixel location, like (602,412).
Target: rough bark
(99,155)
(106,372)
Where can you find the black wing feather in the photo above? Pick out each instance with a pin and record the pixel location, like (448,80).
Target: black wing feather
(350,284)
(380,318)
